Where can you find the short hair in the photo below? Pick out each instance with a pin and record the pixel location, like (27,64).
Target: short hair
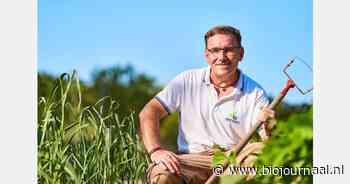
(227,30)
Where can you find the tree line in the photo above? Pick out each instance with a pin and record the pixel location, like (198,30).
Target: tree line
(132,90)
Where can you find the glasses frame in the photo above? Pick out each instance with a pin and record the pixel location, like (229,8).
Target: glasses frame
(225,50)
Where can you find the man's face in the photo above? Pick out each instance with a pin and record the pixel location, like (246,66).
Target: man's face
(223,54)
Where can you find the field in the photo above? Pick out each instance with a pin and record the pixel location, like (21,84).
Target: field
(95,140)
(86,144)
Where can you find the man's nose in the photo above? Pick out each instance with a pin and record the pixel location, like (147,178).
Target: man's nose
(221,55)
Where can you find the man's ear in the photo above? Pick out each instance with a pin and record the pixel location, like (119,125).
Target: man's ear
(241,52)
(206,55)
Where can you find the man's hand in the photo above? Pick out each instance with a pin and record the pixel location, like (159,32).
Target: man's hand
(167,160)
(267,116)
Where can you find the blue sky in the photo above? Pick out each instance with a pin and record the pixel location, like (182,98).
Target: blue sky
(164,38)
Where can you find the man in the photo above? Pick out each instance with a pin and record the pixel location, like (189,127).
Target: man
(218,105)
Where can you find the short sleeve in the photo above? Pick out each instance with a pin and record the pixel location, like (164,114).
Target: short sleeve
(171,96)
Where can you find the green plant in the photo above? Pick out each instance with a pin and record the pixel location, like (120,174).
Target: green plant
(86,144)
(289,147)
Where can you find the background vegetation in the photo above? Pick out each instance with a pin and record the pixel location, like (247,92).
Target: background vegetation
(86,137)
(289,147)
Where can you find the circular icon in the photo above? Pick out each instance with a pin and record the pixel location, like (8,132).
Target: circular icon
(218,170)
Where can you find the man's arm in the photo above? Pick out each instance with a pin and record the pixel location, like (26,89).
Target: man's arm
(149,124)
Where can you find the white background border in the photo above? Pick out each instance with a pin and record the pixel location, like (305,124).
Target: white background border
(331,92)
(18,54)
(18,35)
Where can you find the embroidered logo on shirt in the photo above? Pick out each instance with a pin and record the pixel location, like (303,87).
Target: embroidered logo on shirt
(232,116)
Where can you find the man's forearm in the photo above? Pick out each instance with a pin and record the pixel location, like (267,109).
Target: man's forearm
(149,124)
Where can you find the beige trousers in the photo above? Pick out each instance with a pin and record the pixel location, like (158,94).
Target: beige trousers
(196,168)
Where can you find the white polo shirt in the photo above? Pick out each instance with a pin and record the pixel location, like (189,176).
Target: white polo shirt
(205,119)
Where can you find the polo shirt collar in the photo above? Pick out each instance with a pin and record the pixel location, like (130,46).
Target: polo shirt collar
(239,84)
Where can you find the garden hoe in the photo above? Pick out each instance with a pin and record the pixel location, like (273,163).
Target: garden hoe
(295,65)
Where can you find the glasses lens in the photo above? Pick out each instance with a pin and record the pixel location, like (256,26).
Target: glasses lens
(229,51)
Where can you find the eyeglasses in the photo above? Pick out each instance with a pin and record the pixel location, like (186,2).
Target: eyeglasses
(228,51)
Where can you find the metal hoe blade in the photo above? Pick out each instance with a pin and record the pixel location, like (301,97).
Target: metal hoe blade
(300,73)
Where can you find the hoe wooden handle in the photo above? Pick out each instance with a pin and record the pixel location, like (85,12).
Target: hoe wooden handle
(277,100)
